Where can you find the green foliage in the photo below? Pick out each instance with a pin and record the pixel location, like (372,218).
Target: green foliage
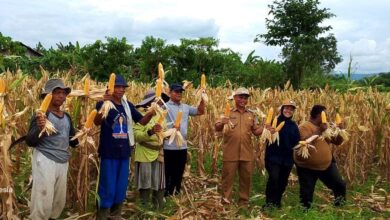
(151,52)
(380,82)
(185,61)
(295,25)
(9,47)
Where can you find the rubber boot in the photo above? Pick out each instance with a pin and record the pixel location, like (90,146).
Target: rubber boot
(102,214)
(158,199)
(116,212)
(144,196)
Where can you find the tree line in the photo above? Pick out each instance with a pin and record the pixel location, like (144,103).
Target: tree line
(309,54)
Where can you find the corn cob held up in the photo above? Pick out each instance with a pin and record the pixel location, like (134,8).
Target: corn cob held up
(49,128)
(266,136)
(108,105)
(84,134)
(275,136)
(174,133)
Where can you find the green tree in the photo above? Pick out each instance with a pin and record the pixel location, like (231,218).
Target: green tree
(100,58)
(151,52)
(296,26)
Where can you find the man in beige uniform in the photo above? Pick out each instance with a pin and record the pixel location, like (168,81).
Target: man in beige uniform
(237,147)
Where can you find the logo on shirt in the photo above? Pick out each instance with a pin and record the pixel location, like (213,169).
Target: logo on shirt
(120,127)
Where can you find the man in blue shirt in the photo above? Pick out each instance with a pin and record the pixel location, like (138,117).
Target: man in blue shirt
(116,141)
(175,157)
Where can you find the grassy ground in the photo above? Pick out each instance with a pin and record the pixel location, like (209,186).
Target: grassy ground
(360,204)
(203,199)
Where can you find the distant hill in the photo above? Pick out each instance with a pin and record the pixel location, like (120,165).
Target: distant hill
(357,76)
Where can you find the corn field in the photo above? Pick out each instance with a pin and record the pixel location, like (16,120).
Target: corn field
(366,153)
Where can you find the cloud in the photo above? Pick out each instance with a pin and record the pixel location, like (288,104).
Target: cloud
(369,56)
(361,27)
(51,23)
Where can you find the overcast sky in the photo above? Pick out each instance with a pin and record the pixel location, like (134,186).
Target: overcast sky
(362,28)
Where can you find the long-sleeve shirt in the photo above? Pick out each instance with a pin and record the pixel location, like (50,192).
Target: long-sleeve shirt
(187,111)
(237,144)
(145,143)
(56,146)
(321,157)
(288,137)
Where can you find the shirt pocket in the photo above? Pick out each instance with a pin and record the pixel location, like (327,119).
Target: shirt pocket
(248,123)
(234,120)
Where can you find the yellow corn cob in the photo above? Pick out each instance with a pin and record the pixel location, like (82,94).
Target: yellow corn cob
(323,117)
(178,119)
(203,81)
(280,126)
(162,117)
(111,84)
(269,116)
(338,119)
(2,85)
(227,110)
(158,88)
(302,142)
(90,118)
(274,122)
(86,87)
(160,71)
(45,103)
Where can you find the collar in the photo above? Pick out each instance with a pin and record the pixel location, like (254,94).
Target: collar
(236,110)
(173,103)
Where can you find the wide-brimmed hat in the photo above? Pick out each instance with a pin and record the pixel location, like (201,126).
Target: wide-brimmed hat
(52,84)
(150,95)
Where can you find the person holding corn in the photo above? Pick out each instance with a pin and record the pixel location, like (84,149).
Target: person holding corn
(238,153)
(279,155)
(320,163)
(115,147)
(148,157)
(51,152)
(175,153)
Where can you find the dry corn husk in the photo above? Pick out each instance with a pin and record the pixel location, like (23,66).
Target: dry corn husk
(8,205)
(155,107)
(174,135)
(187,84)
(341,132)
(160,135)
(106,107)
(302,148)
(266,136)
(84,135)
(355,160)
(95,94)
(202,95)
